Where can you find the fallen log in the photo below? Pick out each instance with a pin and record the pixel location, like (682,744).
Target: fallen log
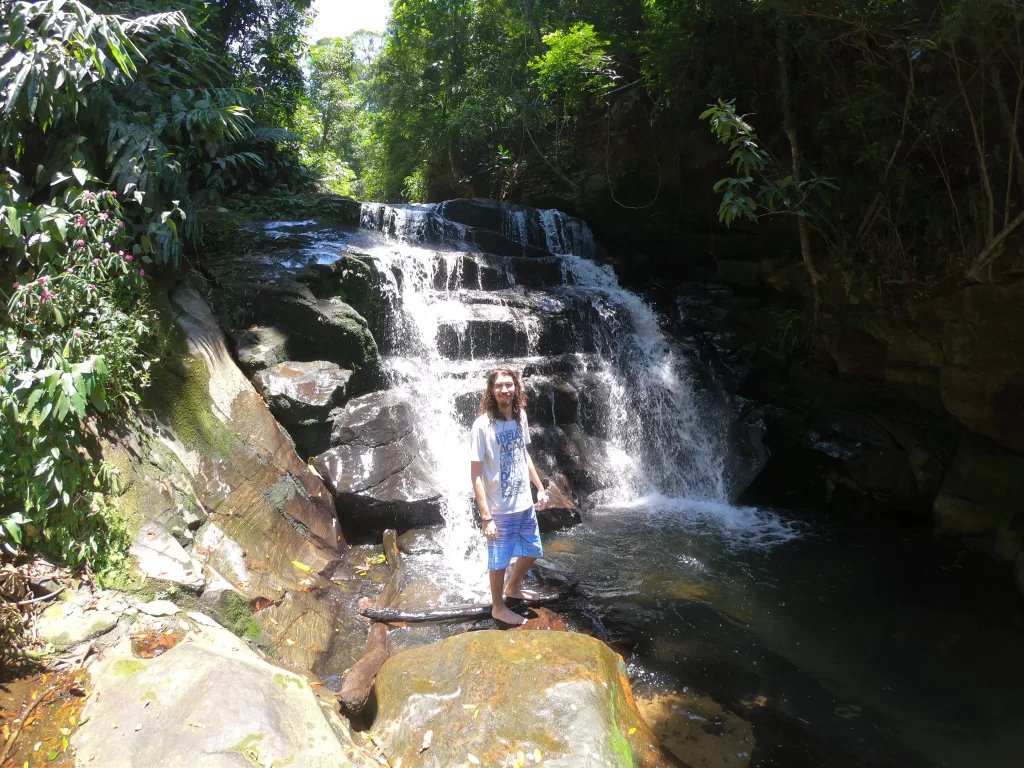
(470,611)
(358,682)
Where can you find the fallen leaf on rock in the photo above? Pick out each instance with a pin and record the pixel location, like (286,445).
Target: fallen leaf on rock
(473,758)
(301,566)
(632,731)
(536,755)
(428,738)
(149,645)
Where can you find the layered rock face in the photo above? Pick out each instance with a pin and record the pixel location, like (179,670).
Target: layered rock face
(228,511)
(490,698)
(924,416)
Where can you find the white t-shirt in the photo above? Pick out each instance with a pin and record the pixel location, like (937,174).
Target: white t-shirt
(501,446)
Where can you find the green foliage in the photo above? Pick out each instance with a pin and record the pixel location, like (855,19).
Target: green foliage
(908,117)
(774,190)
(113,130)
(575,65)
(73,351)
(332,121)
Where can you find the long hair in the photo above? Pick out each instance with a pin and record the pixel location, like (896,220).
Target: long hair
(489,404)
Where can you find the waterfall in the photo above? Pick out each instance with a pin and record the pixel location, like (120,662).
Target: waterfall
(472,283)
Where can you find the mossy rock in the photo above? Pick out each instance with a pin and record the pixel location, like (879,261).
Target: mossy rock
(494,695)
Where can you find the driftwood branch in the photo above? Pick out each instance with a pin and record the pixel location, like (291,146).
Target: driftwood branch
(358,683)
(470,611)
(359,679)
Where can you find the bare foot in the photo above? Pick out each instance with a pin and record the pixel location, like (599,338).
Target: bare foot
(504,615)
(521,594)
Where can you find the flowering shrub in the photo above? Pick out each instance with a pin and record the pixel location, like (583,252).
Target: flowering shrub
(72,348)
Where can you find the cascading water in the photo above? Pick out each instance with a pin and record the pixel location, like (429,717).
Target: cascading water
(472,283)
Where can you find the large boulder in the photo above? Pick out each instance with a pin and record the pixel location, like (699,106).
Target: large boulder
(303,393)
(493,698)
(314,328)
(375,469)
(349,278)
(273,532)
(161,558)
(208,701)
(261,347)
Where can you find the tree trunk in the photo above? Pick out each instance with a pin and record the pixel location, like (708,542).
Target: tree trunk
(531,23)
(802,227)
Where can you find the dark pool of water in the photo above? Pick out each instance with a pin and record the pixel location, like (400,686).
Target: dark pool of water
(846,642)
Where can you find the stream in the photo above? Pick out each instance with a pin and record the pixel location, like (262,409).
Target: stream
(844,641)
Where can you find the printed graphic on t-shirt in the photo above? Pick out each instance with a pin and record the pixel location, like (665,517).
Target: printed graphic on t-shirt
(511,451)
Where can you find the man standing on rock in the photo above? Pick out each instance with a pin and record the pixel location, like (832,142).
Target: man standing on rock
(502,470)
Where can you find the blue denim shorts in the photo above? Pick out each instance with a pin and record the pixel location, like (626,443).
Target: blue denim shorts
(518,536)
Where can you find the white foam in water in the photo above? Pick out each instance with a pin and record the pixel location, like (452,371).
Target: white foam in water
(665,450)
(739,527)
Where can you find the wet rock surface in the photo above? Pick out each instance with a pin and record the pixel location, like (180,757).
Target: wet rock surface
(302,394)
(573,703)
(561,510)
(375,470)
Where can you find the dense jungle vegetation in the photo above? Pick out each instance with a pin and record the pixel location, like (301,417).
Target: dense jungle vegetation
(878,139)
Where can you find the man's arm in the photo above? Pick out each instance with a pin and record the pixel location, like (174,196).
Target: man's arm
(542,495)
(476,471)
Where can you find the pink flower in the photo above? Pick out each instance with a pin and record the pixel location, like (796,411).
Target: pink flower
(78,334)
(129,257)
(120,253)
(80,243)
(42,280)
(142,273)
(46,295)
(104,215)
(96,262)
(17,284)
(21,304)
(81,221)
(107,246)
(69,270)
(113,194)
(120,225)
(90,287)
